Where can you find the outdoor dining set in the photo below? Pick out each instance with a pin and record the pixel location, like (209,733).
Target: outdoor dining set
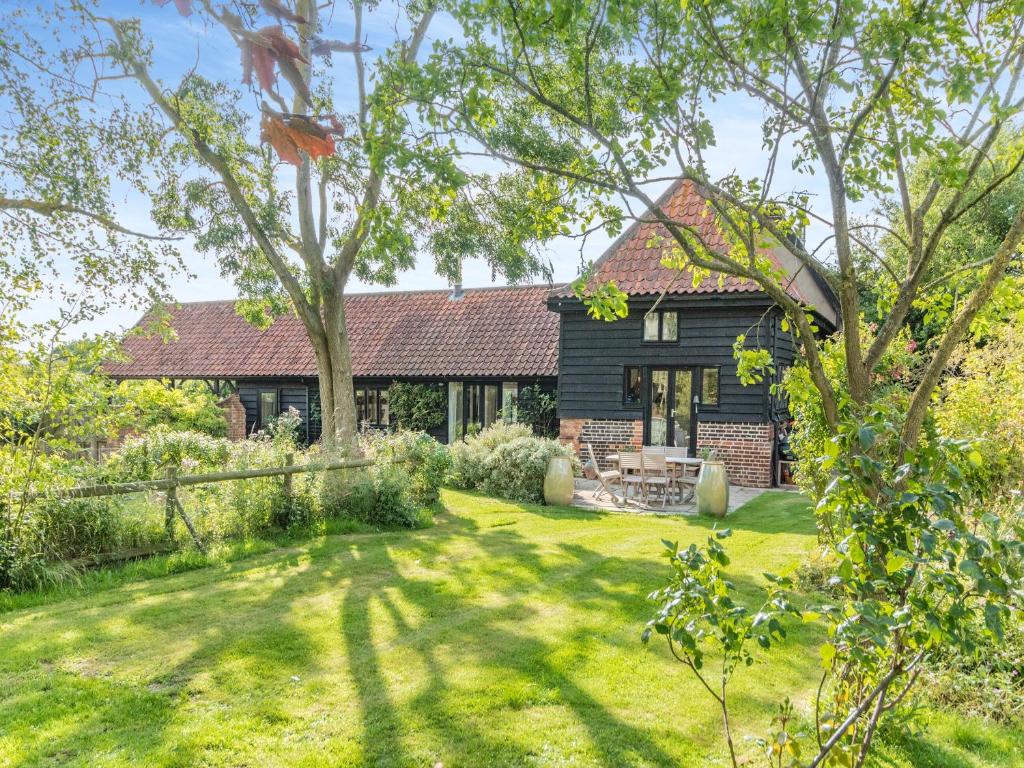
(662,472)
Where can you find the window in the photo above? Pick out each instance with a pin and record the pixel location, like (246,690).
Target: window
(268,408)
(651,332)
(372,406)
(510,401)
(455,428)
(632,385)
(661,326)
(481,404)
(709,387)
(669,326)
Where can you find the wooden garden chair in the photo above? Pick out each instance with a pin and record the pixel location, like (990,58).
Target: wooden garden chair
(684,476)
(607,478)
(631,472)
(654,469)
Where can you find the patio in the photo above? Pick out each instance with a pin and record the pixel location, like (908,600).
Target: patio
(586,493)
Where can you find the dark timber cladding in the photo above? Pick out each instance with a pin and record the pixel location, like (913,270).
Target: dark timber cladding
(666,374)
(594,354)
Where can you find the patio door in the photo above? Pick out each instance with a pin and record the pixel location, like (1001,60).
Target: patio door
(670,419)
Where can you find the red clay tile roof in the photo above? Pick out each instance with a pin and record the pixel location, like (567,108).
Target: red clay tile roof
(636,267)
(488,332)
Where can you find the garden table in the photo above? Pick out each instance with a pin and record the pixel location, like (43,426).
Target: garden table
(678,464)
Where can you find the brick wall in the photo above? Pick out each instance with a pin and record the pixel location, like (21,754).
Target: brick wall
(746,448)
(605,435)
(234,412)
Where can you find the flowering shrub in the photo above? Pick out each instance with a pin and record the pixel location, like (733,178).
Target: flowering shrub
(422,458)
(506,460)
(987,402)
(515,470)
(469,457)
(150,456)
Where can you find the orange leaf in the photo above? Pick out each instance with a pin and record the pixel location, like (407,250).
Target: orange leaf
(283,47)
(256,57)
(274,132)
(309,136)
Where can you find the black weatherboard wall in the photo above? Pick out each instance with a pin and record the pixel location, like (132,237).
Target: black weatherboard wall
(594,354)
(303,394)
(292,393)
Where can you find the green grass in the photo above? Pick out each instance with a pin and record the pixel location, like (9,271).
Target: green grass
(504,635)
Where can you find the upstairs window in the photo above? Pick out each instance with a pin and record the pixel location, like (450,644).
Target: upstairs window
(632,385)
(661,326)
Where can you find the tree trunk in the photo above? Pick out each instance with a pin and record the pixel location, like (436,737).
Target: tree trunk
(334,362)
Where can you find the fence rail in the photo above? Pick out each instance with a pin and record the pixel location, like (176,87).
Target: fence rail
(173,481)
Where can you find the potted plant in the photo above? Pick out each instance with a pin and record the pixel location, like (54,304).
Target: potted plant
(712,485)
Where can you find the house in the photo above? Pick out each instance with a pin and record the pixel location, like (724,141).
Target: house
(482,346)
(664,375)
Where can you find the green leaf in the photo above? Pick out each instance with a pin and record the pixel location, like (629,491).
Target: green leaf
(846,569)
(994,620)
(828,653)
(866,436)
(895,563)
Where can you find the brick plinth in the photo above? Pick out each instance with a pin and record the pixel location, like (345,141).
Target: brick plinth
(234,412)
(746,448)
(605,435)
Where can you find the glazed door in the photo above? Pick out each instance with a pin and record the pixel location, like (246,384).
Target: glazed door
(670,408)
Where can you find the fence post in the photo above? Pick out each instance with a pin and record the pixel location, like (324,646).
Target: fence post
(288,459)
(170,504)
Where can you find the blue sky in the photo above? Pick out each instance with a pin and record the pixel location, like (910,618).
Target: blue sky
(181,43)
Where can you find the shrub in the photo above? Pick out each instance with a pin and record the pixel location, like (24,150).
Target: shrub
(986,404)
(382,499)
(515,470)
(506,460)
(469,457)
(537,407)
(190,407)
(149,456)
(988,683)
(416,407)
(425,460)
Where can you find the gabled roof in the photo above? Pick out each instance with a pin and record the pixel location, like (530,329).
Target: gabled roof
(634,264)
(487,332)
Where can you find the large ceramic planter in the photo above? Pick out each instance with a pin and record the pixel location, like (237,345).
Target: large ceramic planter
(713,488)
(558,481)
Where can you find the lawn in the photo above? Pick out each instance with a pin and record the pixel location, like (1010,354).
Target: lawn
(503,635)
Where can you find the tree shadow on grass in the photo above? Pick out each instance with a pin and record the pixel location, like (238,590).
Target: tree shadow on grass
(469,719)
(435,627)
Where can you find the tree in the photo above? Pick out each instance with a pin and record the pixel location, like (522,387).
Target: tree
(71,151)
(370,185)
(614,97)
(969,244)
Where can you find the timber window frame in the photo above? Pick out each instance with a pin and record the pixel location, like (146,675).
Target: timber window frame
(371,401)
(632,386)
(660,327)
(716,371)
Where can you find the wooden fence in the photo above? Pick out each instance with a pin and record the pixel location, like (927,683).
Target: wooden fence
(174,481)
